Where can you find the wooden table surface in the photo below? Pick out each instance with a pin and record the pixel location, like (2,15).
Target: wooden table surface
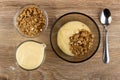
(55,68)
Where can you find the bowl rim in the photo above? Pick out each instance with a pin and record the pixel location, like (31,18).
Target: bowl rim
(83,15)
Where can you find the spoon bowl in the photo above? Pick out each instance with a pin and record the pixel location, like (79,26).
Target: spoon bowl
(105,17)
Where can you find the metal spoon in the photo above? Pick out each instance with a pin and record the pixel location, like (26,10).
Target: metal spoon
(106,19)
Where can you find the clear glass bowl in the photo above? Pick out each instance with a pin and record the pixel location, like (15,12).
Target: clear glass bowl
(29,74)
(75,16)
(27,6)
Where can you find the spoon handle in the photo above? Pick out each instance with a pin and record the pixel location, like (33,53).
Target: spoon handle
(106,58)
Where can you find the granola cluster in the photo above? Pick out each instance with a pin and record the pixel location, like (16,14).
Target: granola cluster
(31,21)
(81,42)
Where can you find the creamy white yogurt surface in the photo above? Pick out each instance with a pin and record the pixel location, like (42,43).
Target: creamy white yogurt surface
(66,31)
(30,54)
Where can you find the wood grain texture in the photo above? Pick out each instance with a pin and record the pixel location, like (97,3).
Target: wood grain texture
(55,68)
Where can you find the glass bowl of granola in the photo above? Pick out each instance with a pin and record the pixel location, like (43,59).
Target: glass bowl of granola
(75,37)
(31,20)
